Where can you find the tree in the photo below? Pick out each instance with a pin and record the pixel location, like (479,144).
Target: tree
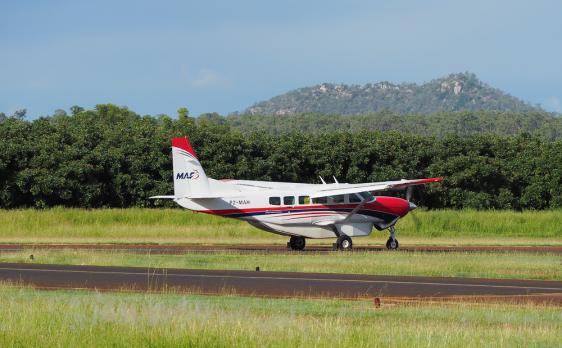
(183,113)
(19,114)
(59,113)
(75,110)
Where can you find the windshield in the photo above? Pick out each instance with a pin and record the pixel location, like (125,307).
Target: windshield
(367,196)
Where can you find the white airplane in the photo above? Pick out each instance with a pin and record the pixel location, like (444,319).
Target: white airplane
(296,210)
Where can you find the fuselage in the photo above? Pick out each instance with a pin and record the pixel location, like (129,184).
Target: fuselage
(294,214)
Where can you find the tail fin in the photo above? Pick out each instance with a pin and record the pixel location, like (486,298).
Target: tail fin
(190,179)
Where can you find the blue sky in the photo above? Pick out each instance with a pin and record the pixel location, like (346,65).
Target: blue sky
(155,56)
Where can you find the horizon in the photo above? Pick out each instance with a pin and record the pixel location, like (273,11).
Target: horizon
(224,57)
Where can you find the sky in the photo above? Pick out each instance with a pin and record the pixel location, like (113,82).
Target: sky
(223,56)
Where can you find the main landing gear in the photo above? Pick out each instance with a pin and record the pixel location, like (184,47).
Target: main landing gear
(392,242)
(344,242)
(297,243)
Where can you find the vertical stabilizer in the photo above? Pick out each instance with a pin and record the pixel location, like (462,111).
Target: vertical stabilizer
(190,179)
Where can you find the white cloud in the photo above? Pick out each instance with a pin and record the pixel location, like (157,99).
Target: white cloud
(207,78)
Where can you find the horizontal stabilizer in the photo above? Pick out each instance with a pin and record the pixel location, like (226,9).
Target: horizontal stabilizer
(207,196)
(162,197)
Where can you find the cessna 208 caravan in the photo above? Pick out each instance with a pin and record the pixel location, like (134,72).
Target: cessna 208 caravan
(296,210)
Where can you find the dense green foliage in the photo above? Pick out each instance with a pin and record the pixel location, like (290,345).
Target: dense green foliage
(456,92)
(110,156)
(438,125)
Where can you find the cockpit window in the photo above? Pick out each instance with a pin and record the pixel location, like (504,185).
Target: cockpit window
(354,198)
(338,199)
(304,200)
(367,196)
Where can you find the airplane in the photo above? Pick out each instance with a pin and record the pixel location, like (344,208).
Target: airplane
(296,210)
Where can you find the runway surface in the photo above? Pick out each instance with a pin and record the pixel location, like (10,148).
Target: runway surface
(276,284)
(267,248)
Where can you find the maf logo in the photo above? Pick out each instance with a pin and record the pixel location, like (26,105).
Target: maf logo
(187,175)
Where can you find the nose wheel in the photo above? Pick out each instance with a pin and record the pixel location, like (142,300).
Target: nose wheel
(297,243)
(392,242)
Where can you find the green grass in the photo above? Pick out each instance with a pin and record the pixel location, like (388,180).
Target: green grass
(180,226)
(90,319)
(453,264)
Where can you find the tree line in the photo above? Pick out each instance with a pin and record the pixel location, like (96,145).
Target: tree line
(110,156)
(542,124)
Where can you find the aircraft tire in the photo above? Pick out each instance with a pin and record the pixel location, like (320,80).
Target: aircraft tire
(297,243)
(390,245)
(344,243)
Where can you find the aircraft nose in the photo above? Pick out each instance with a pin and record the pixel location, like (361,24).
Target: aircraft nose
(412,206)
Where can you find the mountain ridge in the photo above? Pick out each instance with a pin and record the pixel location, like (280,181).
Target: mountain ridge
(454,92)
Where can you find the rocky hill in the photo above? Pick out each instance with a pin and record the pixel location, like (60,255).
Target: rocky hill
(456,92)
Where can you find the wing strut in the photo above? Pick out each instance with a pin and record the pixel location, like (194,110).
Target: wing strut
(355,210)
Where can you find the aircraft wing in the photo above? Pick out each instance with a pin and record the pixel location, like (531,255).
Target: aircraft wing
(341,189)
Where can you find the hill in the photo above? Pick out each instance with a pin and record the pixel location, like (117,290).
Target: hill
(456,92)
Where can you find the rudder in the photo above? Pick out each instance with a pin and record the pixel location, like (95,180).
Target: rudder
(190,179)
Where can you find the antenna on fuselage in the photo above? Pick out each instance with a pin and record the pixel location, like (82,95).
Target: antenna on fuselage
(335,180)
(321,179)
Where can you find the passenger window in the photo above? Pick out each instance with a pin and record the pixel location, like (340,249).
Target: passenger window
(304,200)
(338,199)
(353,198)
(275,200)
(289,200)
(320,200)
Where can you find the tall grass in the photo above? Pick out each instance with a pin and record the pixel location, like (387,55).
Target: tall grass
(160,225)
(488,223)
(86,319)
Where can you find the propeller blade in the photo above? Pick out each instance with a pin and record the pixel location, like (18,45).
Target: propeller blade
(416,221)
(409,192)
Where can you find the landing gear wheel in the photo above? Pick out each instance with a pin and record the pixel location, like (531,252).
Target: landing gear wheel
(392,243)
(344,243)
(297,243)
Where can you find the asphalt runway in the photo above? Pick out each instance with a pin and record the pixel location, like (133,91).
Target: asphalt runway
(267,248)
(276,284)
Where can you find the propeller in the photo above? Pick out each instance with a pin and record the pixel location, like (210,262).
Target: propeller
(409,195)
(409,191)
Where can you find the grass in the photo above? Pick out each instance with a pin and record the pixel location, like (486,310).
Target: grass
(453,264)
(180,226)
(71,318)
(90,319)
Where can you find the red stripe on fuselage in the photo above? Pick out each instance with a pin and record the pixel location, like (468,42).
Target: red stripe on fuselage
(389,205)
